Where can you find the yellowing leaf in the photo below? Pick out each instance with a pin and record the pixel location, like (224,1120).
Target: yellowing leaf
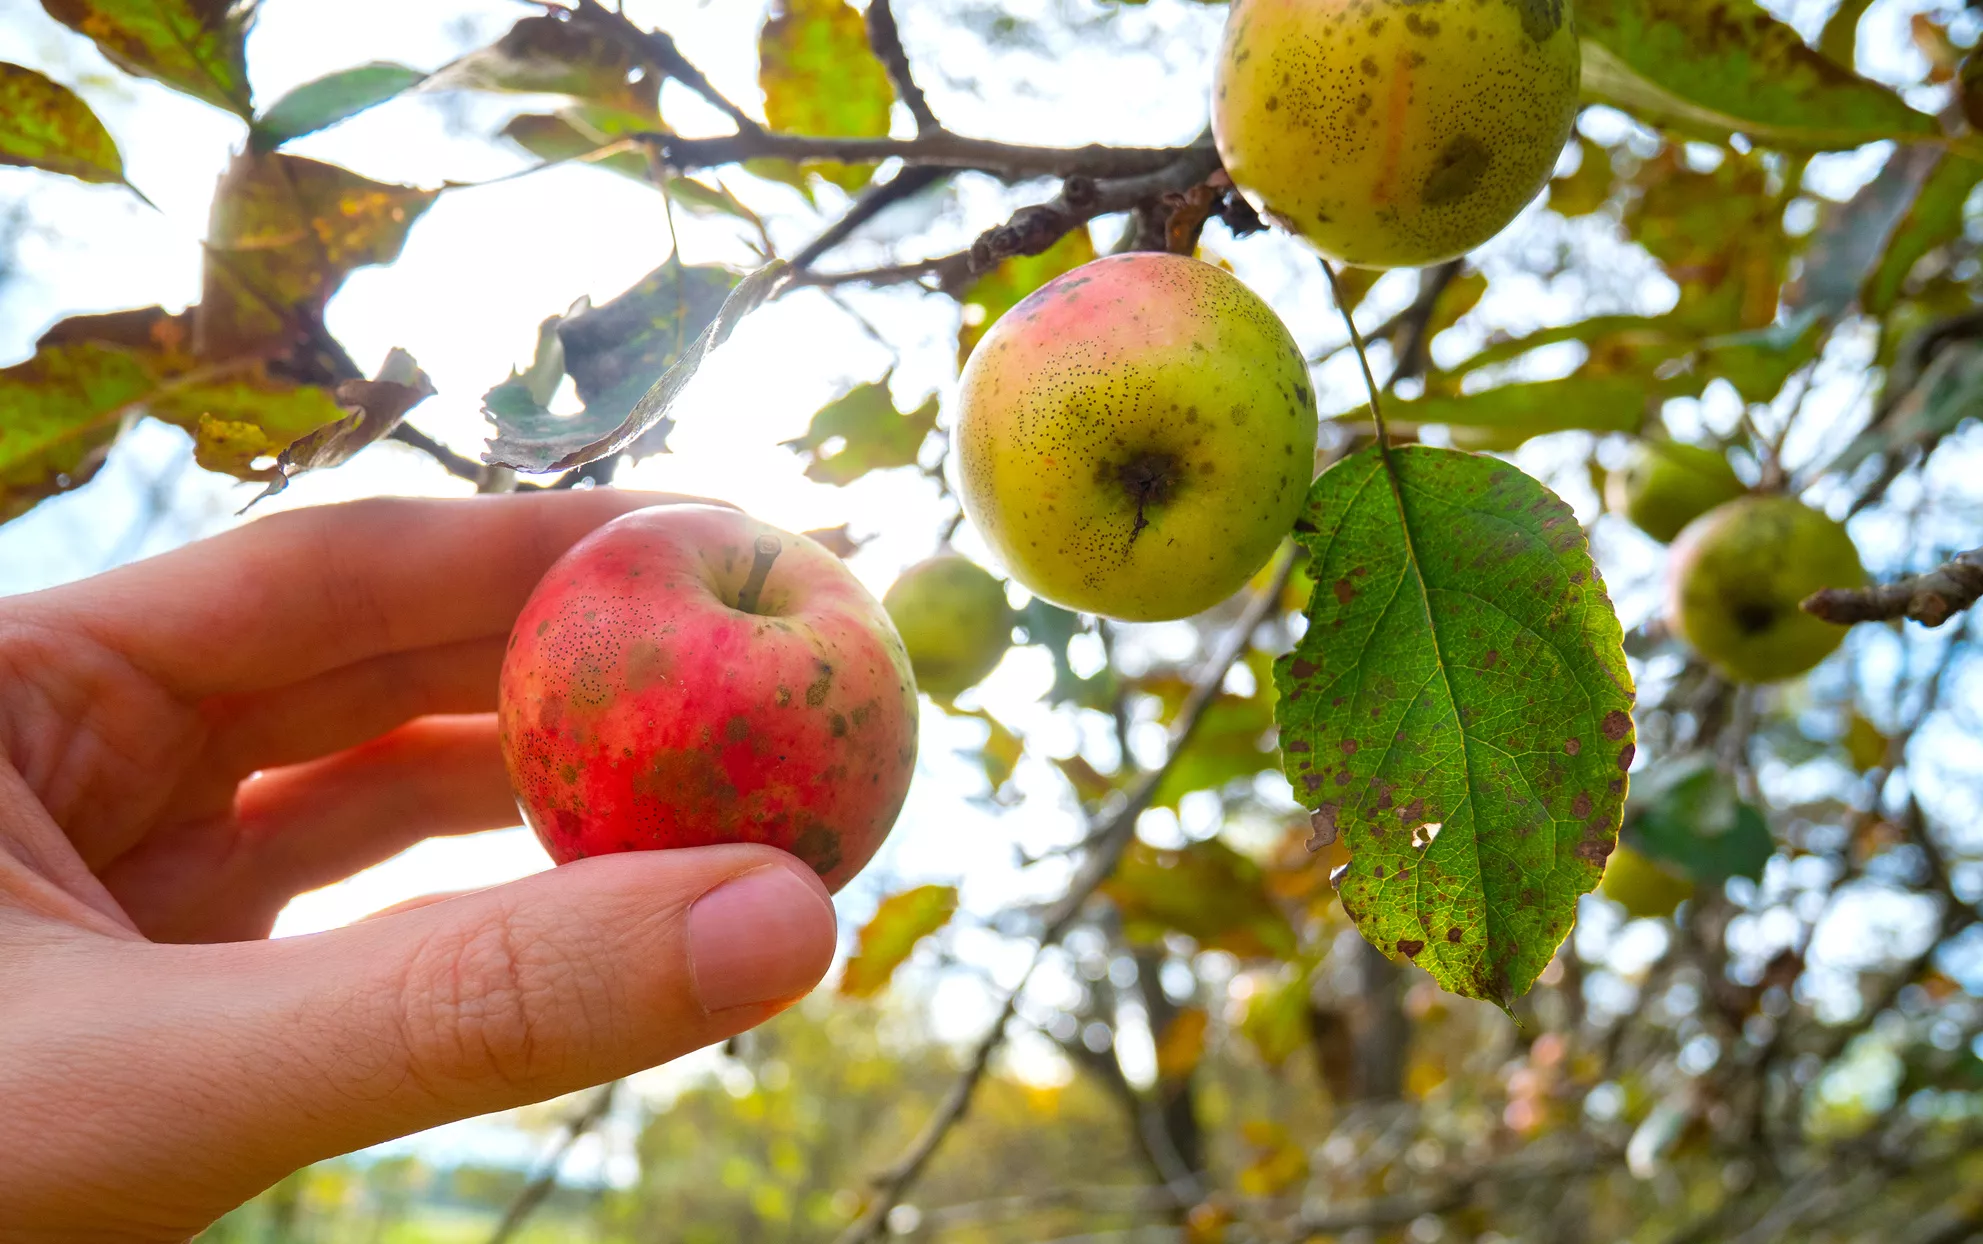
(1182,1043)
(1714,67)
(1276,1020)
(195,46)
(44,125)
(1001,751)
(1585,190)
(552,56)
(1277,1162)
(285,232)
(1459,710)
(1206,891)
(820,77)
(861,431)
(1001,289)
(898,924)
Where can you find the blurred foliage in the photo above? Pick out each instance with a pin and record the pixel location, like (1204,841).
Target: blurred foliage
(1213,1052)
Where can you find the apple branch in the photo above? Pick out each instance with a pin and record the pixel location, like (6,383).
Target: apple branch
(886,40)
(1110,840)
(656,48)
(1930,599)
(942,149)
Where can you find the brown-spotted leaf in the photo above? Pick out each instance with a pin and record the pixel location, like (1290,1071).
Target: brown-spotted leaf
(861,431)
(1206,891)
(91,375)
(45,125)
(1459,711)
(195,46)
(821,78)
(665,326)
(1710,68)
(373,408)
(550,55)
(891,934)
(284,233)
(1001,289)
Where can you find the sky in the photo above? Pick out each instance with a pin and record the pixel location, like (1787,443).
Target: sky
(490,261)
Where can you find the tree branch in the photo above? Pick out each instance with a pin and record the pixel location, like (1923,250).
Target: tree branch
(873,201)
(533,1194)
(1032,229)
(657,49)
(457,465)
(1930,599)
(1111,840)
(886,40)
(1009,161)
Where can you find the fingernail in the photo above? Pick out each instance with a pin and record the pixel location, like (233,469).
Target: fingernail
(760,937)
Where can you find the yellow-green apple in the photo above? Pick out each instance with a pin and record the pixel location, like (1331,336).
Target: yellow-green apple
(1737,574)
(1394,133)
(1136,437)
(1664,485)
(954,621)
(688,675)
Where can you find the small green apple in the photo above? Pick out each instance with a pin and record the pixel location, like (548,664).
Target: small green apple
(1136,437)
(1737,575)
(954,621)
(1643,887)
(1664,485)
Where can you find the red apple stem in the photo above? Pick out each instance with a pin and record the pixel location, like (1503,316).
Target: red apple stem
(767,549)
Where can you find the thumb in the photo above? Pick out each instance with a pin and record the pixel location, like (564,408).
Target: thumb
(489,1000)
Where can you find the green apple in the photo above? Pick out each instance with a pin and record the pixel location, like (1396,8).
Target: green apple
(954,621)
(1136,437)
(1737,575)
(1664,485)
(1642,886)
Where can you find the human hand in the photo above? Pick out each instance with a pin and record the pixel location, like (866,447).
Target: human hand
(189,742)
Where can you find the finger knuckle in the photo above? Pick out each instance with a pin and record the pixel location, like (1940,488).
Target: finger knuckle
(498,1001)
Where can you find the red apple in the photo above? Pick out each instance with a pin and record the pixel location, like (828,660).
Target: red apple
(688,675)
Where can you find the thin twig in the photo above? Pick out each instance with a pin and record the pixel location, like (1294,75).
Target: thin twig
(1111,841)
(876,199)
(534,1192)
(943,149)
(1930,599)
(1363,358)
(657,49)
(456,464)
(886,40)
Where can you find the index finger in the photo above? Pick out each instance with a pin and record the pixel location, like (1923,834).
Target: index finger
(309,590)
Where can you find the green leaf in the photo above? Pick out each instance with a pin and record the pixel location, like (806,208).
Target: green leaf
(891,934)
(285,232)
(323,102)
(820,77)
(1001,289)
(667,324)
(1234,738)
(1584,191)
(552,56)
(195,46)
(1839,40)
(577,132)
(861,431)
(1207,891)
(1852,236)
(1934,219)
(1586,403)
(1710,68)
(1949,391)
(45,125)
(1689,817)
(1459,709)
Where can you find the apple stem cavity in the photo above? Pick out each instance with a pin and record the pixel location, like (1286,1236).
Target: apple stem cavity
(767,550)
(1148,478)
